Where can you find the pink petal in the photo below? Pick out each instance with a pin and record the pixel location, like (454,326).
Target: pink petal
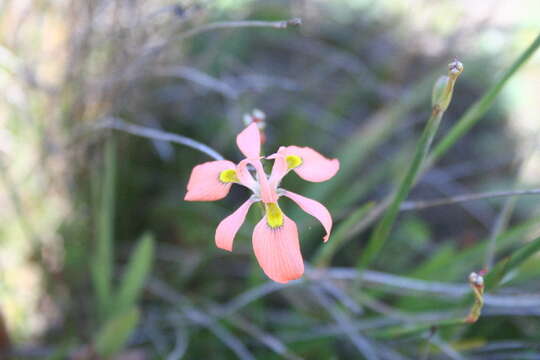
(278,250)
(267,191)
(313,208)
(315,167)
(228,227)
(244,175)
(249,141)
(204,184)
(279,170)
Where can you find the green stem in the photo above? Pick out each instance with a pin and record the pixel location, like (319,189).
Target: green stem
(383,228)
(407,330)
(102,271)
(441,98)
(496,275)
(479,109)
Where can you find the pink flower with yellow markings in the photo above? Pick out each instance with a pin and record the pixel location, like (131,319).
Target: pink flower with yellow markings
(275,237)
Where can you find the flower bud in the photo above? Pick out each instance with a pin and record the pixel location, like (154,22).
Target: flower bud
(258,117)
(444,87)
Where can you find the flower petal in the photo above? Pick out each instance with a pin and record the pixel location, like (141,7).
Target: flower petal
(244,175)
(279,169)
(228,227)
(249,141)
(313,166)
(267,191)
(204,183)
(278,250)
(313,208)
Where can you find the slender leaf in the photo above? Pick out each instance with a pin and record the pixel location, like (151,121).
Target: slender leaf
(103,258)
(383,228)
(495,276)
(137,271)
(111,338)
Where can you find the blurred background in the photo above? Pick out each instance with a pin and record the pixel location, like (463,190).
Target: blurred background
(100,257)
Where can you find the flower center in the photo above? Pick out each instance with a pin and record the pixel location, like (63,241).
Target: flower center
(228,176)
(274,216)
(293,161)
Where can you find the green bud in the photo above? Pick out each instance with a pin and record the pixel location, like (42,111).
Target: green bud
(439,95)
(444,87)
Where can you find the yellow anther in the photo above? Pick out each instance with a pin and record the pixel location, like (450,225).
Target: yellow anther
(228,176)
(274,216)
(293,161)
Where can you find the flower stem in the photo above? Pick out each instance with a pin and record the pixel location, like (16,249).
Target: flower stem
(440,102)
(479,109)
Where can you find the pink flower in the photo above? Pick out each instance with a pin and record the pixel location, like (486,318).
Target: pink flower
(275,237)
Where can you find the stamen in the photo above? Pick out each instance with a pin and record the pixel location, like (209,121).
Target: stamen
(228,176)
(293,161)
(274,216)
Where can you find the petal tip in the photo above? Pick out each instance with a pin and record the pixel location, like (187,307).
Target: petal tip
(228,227)
(291,276)
(223,247)
(249,141)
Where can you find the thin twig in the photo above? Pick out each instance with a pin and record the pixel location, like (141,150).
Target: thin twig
(446,348)
(448,290)
(252,295)
(180,346)
(341,295)
(381,308)
(501,222)
(423,204)
(503,218)
(448,187)
(364,325)
(359,341)
(267,339)
(395,282)
(118,124)
(200,78)
(164,291)
(370,325)
(241,24)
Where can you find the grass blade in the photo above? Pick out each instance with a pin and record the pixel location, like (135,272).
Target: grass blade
(103,258)
(137,271)
(114,334)
(495,276)
(383,228)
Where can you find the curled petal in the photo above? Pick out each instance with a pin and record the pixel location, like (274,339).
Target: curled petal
(249,141)
(228,227)
(278,250)
(313,208)
(267,191)
(309,164)
(204,183)
(279,169)
(244,176)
